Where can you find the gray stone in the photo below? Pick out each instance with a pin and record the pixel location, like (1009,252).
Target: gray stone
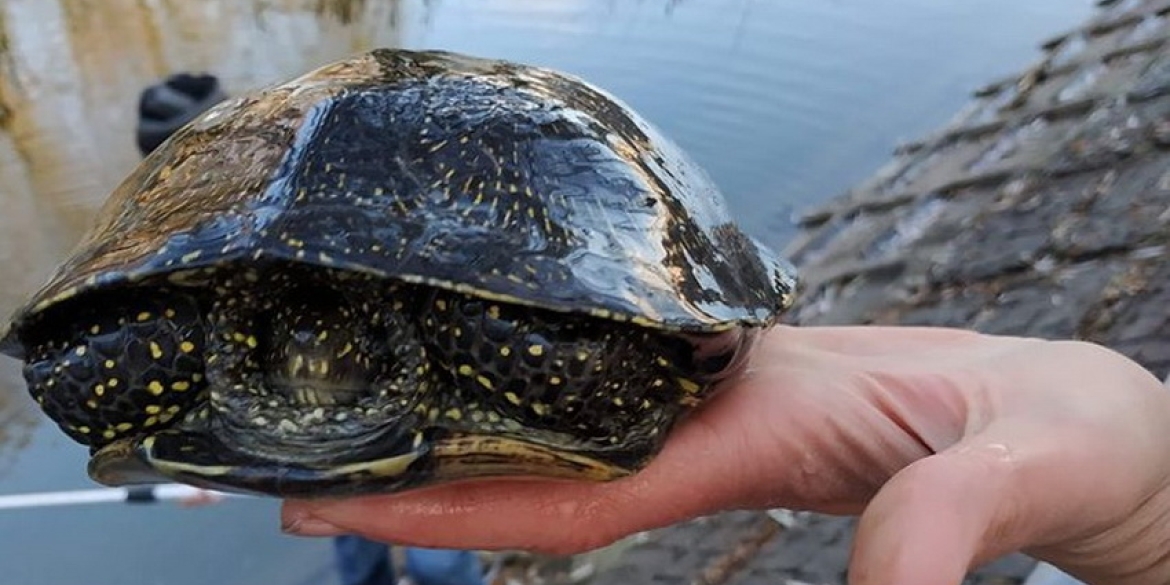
(1046,213)
(1154,81)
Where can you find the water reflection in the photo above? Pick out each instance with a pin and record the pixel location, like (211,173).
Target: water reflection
(17,420)
(70,74)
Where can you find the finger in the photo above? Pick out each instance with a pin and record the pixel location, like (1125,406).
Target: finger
(933,521)
(872,341)
(1009,488)
(545,516)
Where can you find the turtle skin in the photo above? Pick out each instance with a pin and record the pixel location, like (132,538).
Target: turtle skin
(396,270)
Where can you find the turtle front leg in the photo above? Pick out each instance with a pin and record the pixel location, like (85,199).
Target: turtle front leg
(615,388)
(114,369)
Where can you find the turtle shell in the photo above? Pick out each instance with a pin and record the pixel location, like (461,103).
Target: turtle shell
(481,176)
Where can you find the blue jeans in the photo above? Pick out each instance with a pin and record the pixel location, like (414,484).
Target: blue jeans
(365,562)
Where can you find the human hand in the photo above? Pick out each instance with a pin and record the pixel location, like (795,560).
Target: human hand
(955,447)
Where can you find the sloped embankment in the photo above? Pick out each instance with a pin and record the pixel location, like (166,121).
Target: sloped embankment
(1043,210)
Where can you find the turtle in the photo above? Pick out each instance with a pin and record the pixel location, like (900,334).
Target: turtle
(400,269)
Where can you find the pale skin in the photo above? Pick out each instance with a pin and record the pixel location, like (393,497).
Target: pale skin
(954,447)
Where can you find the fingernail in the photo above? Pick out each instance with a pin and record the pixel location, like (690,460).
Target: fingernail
(308,525)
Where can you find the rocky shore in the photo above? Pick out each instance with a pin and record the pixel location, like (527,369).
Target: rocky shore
(1042,209)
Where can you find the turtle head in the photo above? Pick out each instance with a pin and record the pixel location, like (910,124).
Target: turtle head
(315,352)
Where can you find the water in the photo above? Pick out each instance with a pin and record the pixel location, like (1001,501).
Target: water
(784,103)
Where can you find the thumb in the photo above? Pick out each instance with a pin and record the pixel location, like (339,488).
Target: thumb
(937,518)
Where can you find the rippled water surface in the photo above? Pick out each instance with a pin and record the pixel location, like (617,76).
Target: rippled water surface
(784,102)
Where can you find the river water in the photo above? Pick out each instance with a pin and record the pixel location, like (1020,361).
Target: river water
(785,103)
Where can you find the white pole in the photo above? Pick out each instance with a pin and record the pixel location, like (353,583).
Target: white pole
(140,494)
